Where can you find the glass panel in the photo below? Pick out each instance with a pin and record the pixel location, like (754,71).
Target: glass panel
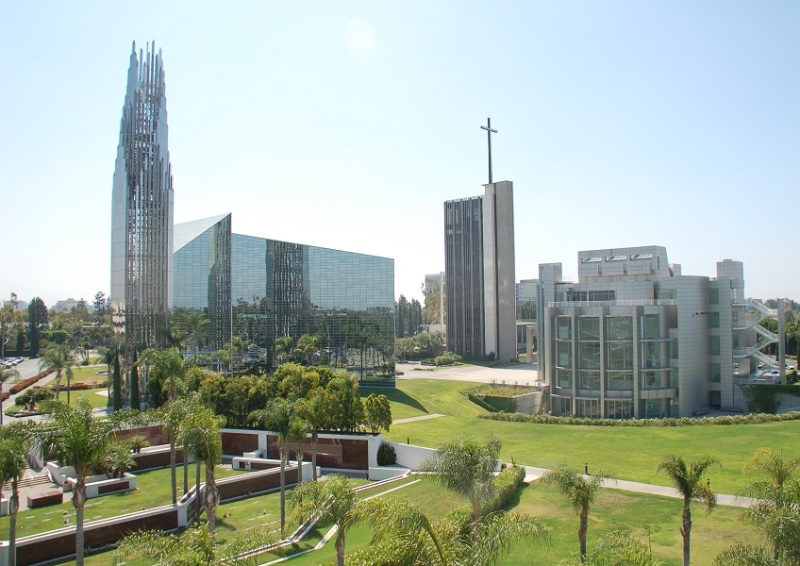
(713,296)
(590,328)
(564,354)
(619,328)
(652,327)
(714,345)
(619,355)
(564,378)
(651,355)
(713,320)
(564,328)
(590,355)
(589,380)
(620,380)
(715,372)
(619,409)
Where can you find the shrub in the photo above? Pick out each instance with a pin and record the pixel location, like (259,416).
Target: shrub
(761,398)
(386,455)
(682,421)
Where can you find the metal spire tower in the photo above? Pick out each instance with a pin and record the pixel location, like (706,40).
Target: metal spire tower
(142,207)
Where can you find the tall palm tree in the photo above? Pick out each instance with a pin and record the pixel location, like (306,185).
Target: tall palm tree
(315,410)
(60,359)
(6,374)
(466,467)
(688,480)
(278,418)
(15,442)
(281,348)
(333,500)
(776,510)
(581,491)
(78,440)
(200,436)
(173,416)
(297,434)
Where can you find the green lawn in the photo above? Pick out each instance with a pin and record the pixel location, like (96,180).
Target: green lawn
(631,453)
(153,491)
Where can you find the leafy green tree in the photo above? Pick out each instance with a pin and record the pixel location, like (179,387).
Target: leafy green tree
(466,467)
(688,480)
(37,320)
(278,417)
(308,344)
(166,370)
(78,440)
(15,442)
(347,409)
(58,358)
(377,413)
(333,500)
(581,491)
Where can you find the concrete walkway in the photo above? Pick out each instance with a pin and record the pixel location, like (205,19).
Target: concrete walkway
(532,473)
(420,418)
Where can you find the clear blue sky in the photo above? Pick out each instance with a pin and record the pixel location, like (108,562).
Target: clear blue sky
(348,124)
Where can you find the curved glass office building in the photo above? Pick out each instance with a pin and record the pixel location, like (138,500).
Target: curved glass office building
(262,290)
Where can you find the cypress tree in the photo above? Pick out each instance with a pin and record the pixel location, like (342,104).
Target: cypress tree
(117,384)
(136,402)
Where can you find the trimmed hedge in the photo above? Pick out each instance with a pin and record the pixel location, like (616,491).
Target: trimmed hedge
(683,421)
(506,484)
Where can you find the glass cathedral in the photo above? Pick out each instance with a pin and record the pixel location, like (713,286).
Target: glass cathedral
(142,207)
(260,290)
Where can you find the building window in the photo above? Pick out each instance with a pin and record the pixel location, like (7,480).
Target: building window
(619,355)
(620,380)
(653,409)
(619,328)
(651,327)
(564,328)
(667,294)
(588,408)
(564,354)
(651,355)
(714,370)
(713,296)
(590,328)
(619,409)
(590,355)
(589,380)
(713,342)
(563,406)
(713,320)
(564,378)
(674,349)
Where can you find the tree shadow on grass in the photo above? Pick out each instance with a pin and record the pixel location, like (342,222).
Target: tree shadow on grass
(397,396)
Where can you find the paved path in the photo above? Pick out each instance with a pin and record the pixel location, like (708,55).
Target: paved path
(532,473)
(420,418)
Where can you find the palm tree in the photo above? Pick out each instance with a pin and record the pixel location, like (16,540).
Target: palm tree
(200,435)
(777,500)
(58,358)
(466,467)
(281,347)
(173,415)
(745,555)
(15,442)
(333,500)
(315,410)
(619,548)
(407,535)
(165,366)
(689,483)
(278,418)
(6,374)
(78,440)
(581,491)
(297,434)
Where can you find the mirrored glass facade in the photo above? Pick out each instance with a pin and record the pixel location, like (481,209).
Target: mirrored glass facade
(260,290)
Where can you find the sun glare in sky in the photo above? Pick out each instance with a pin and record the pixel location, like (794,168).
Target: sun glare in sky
(360,37)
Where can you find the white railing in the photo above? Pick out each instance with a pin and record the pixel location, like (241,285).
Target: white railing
(631,303)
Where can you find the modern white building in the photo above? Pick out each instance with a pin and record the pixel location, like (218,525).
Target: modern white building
(634,337)
(142,207)
(479,274)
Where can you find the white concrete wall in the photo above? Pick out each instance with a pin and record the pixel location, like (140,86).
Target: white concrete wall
(411,456)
